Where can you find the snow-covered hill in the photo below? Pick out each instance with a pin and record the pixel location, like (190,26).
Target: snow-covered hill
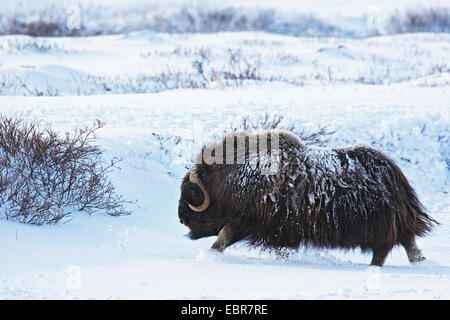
(145,255)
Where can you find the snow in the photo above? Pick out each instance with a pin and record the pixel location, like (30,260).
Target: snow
(401,108)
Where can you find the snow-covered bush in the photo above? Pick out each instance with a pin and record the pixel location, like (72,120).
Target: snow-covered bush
(48,21)
(431,19)
(34,45)
(44,176)
(234,72)
(269,121)
(239,67)
(51,20)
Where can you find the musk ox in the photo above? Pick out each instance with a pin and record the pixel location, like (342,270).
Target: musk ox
(272,190)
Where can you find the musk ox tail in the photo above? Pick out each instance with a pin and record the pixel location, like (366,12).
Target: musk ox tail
(411,216)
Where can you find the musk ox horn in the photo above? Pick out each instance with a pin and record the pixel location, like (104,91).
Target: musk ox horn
(194,178)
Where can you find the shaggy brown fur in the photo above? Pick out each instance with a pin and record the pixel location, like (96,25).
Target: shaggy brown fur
(328,198)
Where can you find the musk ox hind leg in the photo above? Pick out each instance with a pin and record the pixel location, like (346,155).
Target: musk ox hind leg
(224,239)
(379,255)
(412,250)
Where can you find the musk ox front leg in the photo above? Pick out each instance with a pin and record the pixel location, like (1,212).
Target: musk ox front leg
(379,256)
(224,239)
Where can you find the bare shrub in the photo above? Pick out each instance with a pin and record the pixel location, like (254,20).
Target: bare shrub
(237,69)
(34,45)
(319,137)
(141,83)
(51,20)
(431,19)
(241,68)
(439,68)
(202,63)
(48,21)
(178,50)
(8,85)
(43,176)
(240,19)
(12,84)
(103,19)
(213,20)
(48,91)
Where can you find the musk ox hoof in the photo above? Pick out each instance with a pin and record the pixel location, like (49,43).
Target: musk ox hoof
(378,264)
(216,249)
(417,259)
(224,239)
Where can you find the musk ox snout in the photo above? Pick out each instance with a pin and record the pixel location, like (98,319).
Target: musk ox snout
(353,197)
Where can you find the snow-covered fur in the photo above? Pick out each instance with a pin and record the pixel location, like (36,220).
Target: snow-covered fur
(328,198)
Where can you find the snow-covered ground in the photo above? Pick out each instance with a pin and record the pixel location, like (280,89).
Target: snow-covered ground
(390,92)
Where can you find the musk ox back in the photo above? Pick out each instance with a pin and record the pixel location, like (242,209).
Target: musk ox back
(272,190)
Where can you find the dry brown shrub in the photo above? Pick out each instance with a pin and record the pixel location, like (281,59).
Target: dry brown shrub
(45,176)
(267,121)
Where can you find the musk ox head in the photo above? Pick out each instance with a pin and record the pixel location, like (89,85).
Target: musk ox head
(205,190)
(195,209)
